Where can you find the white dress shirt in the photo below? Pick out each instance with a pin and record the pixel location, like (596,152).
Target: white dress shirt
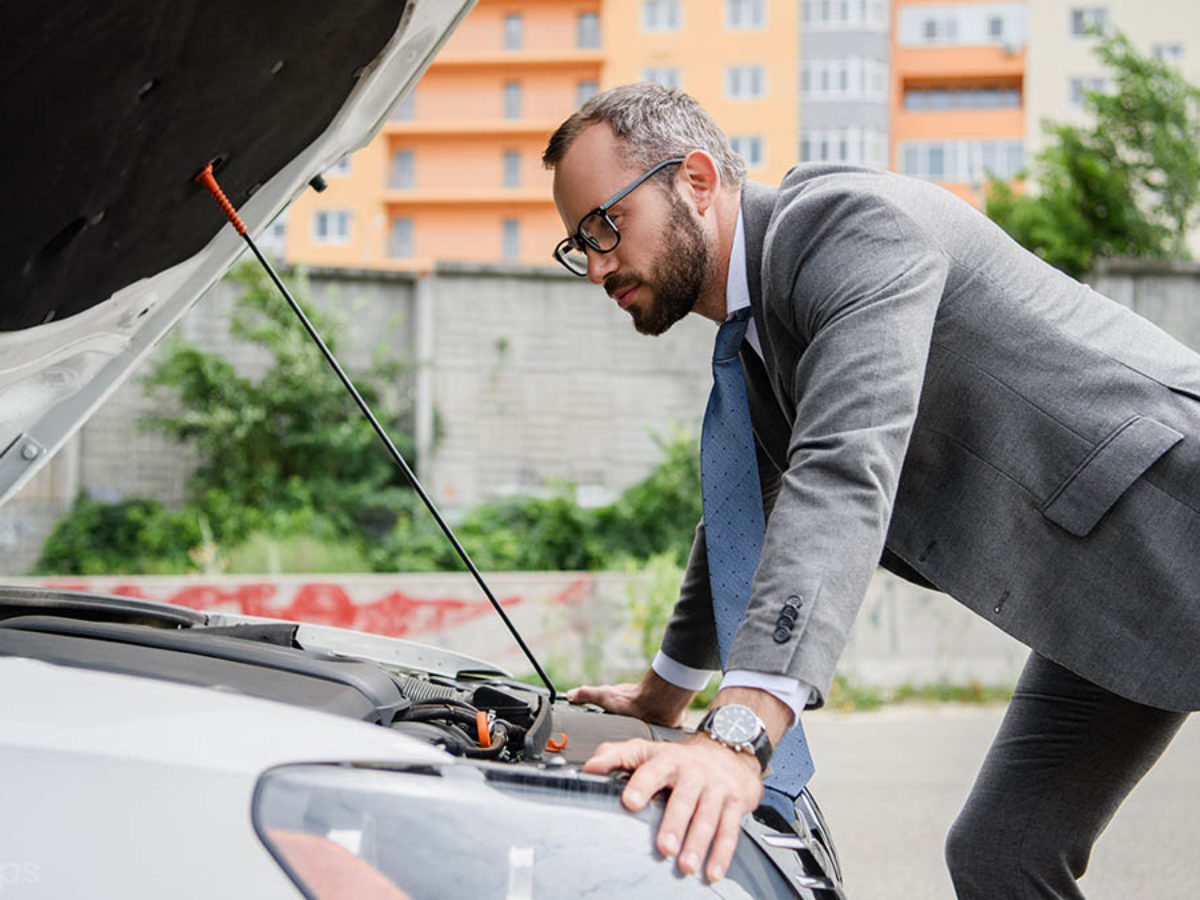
(795,693)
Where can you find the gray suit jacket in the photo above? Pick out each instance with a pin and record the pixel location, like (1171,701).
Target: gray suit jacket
(937,397)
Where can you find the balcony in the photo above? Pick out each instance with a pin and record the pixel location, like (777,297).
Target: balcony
(472,127)
(567,58)
(458,197)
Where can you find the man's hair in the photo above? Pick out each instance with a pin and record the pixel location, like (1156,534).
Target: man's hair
(652,123)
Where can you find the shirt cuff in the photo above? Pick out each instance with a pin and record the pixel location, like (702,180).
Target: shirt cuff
(792,691)
(678,674)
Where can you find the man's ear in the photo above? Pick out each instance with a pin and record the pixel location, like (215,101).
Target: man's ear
(701,179)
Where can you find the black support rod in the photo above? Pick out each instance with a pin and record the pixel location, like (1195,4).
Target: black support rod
(206,178)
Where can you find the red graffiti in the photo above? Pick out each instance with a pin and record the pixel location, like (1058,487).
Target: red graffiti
(327,603)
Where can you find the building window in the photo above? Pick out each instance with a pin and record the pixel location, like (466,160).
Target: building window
(667,76)
(1084,19)
(512,100)
(401,175)
(405,110)
(331,226)
(585,91)
(1170,53)
(400,239)
(936,165)
(1078,88)
(965,162)
(587,30)
(341,167)
(962,24)
(749,148)
(745,82)
(746,13)
(962,98)
(854,145)
(513,31)
(512,169)
(510,246)
(853,78)
(660,15)
(865,15)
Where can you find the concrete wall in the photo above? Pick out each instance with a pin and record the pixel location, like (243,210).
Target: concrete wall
(538,376)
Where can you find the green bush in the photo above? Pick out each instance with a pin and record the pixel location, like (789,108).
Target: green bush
(276,450)
(136,535)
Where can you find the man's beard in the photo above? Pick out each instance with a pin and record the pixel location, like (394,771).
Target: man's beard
(675,283)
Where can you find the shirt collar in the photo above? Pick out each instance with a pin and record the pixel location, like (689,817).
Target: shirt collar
(737,284)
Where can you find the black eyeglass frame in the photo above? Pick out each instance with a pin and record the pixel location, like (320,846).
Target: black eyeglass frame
(583,241)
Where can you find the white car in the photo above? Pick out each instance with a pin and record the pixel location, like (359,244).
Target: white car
(153,751)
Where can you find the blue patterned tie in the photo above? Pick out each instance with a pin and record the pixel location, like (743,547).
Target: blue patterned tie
(734,528)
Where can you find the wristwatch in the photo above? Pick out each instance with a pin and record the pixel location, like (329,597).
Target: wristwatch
(738,728)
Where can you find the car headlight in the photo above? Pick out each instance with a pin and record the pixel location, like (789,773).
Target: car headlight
(476,831)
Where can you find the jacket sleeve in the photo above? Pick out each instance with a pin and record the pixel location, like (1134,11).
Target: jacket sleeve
(857,285)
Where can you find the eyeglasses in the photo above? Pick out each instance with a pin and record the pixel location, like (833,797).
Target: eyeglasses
(596,230)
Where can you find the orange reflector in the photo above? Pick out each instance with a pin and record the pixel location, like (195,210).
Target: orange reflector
(329,870)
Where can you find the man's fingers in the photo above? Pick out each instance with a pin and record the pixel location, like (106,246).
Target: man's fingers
(705,818)
(618,755)
(728,830)
(613,697)
(680,806)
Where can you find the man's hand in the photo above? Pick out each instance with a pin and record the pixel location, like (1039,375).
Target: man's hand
(712,789)
(712,786)
(652,699)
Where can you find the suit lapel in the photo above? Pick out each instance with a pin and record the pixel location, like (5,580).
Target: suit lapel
(758,202)
(771,423)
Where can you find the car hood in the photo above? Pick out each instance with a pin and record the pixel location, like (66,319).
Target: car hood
(115,108)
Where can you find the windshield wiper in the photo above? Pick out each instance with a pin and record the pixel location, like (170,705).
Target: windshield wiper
(205,178)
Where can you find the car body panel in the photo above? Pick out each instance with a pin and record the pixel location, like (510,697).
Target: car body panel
(142,788)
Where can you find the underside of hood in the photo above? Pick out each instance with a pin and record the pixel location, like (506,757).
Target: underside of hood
(110,110)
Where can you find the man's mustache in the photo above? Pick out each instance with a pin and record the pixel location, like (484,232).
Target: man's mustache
(617,283)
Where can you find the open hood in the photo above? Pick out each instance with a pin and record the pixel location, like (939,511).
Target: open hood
(110,110)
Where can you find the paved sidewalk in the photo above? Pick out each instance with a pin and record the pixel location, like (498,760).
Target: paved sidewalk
(890,783)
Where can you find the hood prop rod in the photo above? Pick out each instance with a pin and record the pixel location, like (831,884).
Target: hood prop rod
(206,178)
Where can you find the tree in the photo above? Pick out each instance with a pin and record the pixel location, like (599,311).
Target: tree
(1128,185)
(291,450)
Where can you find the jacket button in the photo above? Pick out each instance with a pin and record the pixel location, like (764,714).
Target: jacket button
(781,635)
(789,613)
(793,601)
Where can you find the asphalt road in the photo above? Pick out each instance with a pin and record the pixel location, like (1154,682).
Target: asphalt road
(890,783)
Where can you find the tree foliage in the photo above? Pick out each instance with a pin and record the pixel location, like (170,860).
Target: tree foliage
(1127,185)
(289,450)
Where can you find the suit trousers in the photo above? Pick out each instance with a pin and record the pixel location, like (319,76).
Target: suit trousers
(1066,756)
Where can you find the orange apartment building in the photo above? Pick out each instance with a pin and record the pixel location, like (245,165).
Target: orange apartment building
(456,173)
(957,92)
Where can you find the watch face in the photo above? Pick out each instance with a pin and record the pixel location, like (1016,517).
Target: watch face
(736,724)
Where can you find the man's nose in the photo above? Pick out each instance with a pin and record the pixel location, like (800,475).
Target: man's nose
(600,265)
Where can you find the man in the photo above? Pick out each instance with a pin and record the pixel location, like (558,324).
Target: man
(925,394)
